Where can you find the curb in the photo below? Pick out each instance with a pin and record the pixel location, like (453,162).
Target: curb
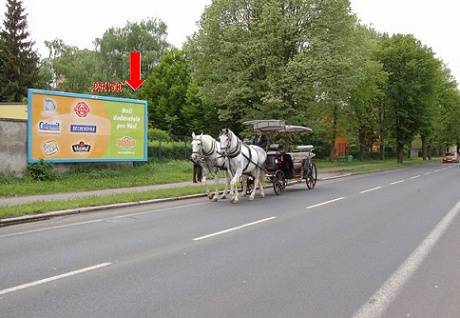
(337,177)
(48,215)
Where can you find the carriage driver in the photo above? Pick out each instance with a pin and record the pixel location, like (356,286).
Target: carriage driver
(260,140)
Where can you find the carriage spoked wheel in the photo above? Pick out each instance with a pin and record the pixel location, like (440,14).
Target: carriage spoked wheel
(279,182)
(312,176)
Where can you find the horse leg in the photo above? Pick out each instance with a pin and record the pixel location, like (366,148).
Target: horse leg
(256,184)
(227,183)
(244,181)
(261,183)
(216,183)
(236,178)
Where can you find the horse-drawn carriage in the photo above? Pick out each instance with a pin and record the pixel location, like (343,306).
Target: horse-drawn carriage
(282,165)
(254,164)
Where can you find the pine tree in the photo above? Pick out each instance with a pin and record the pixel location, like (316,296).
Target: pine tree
(18,60)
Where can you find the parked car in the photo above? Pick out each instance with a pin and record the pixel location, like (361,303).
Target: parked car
(450,157)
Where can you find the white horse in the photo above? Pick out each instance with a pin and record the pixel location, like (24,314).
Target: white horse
(243,159)
(205,151)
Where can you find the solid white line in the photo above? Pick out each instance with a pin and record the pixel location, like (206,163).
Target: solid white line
(95,221)
(50,228)
(415,177)
(371,189)
(323,203)
(396,182)
(157,210)
(50,279)
(382,298)
(233,229)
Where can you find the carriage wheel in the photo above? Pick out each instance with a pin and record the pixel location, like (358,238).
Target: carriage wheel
(279,182)
(249,185)
(312,176)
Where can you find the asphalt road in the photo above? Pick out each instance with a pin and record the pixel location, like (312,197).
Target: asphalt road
(377,245)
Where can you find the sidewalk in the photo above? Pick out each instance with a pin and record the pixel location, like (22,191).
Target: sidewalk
(5,201)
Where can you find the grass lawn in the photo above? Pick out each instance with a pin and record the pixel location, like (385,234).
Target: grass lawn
(85,179)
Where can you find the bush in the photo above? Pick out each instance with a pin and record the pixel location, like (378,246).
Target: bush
(155,134)
(41,171)
(176,150)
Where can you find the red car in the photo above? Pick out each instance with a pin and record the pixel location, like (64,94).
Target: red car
(450,157)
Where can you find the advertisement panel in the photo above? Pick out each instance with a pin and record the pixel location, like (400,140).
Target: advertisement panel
(69,127)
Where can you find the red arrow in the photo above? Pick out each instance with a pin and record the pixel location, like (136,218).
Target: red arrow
(134,71)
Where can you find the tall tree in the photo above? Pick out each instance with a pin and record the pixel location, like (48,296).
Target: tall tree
(147,37)
(166,92)
(411,85)
(19,61)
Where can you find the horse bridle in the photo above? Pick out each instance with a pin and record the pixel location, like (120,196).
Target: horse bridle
(202,153)
(235,152)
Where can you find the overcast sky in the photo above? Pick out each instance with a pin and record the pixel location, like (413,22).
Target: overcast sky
(434,22)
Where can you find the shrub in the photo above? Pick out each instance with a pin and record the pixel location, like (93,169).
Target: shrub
(41,171)
(155,134)
(177,150)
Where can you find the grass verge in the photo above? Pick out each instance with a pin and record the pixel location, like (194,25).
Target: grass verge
(41,206)
(86,178)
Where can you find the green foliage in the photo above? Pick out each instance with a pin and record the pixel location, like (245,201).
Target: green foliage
(169,150)
(18,60)
(155,134)
(41,171)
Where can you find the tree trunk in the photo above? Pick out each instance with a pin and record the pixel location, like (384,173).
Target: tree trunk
(382,148)
(334,134)
(399,152)
(429,151)
(424,147)
(362,144)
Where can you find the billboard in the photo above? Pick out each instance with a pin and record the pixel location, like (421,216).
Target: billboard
(68,127)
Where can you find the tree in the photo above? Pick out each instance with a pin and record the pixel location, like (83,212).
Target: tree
(166,92)
(147,37)
(275,59)
(19,61)
(411,85)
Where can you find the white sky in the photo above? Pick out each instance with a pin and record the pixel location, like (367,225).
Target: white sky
(434,22)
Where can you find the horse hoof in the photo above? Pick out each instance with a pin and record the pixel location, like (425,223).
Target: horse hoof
(262,195)
(214,199)
(251,198)
(210,196)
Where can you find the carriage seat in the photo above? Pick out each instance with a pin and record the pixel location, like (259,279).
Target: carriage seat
(275,149)
(299,155)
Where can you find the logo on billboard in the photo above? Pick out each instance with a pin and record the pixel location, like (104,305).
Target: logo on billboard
(81,109)
(126,142)
(50,147)
(81,147)
(88,129)
(53,127)
(49,105)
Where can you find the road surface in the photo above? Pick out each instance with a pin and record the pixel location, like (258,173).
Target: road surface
(377,245)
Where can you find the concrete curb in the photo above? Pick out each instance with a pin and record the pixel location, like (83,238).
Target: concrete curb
(48,215)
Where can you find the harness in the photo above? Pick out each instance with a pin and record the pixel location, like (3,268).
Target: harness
(237,151)
(205,155)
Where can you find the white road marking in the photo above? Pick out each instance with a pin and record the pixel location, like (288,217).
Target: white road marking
(379,302)
(233,229)
(396,182)
(157,210)
(50,228)
(415,177)
(95,221)
(323,203)
(371,189)
(50,279)
(427,173)
(437,170)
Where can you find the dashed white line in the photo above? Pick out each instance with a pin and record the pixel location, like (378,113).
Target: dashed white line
(50,279)
(427,173)
(371,189)
(324,203)
(396,182)
(415,177)
(379,302)
(233,229)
